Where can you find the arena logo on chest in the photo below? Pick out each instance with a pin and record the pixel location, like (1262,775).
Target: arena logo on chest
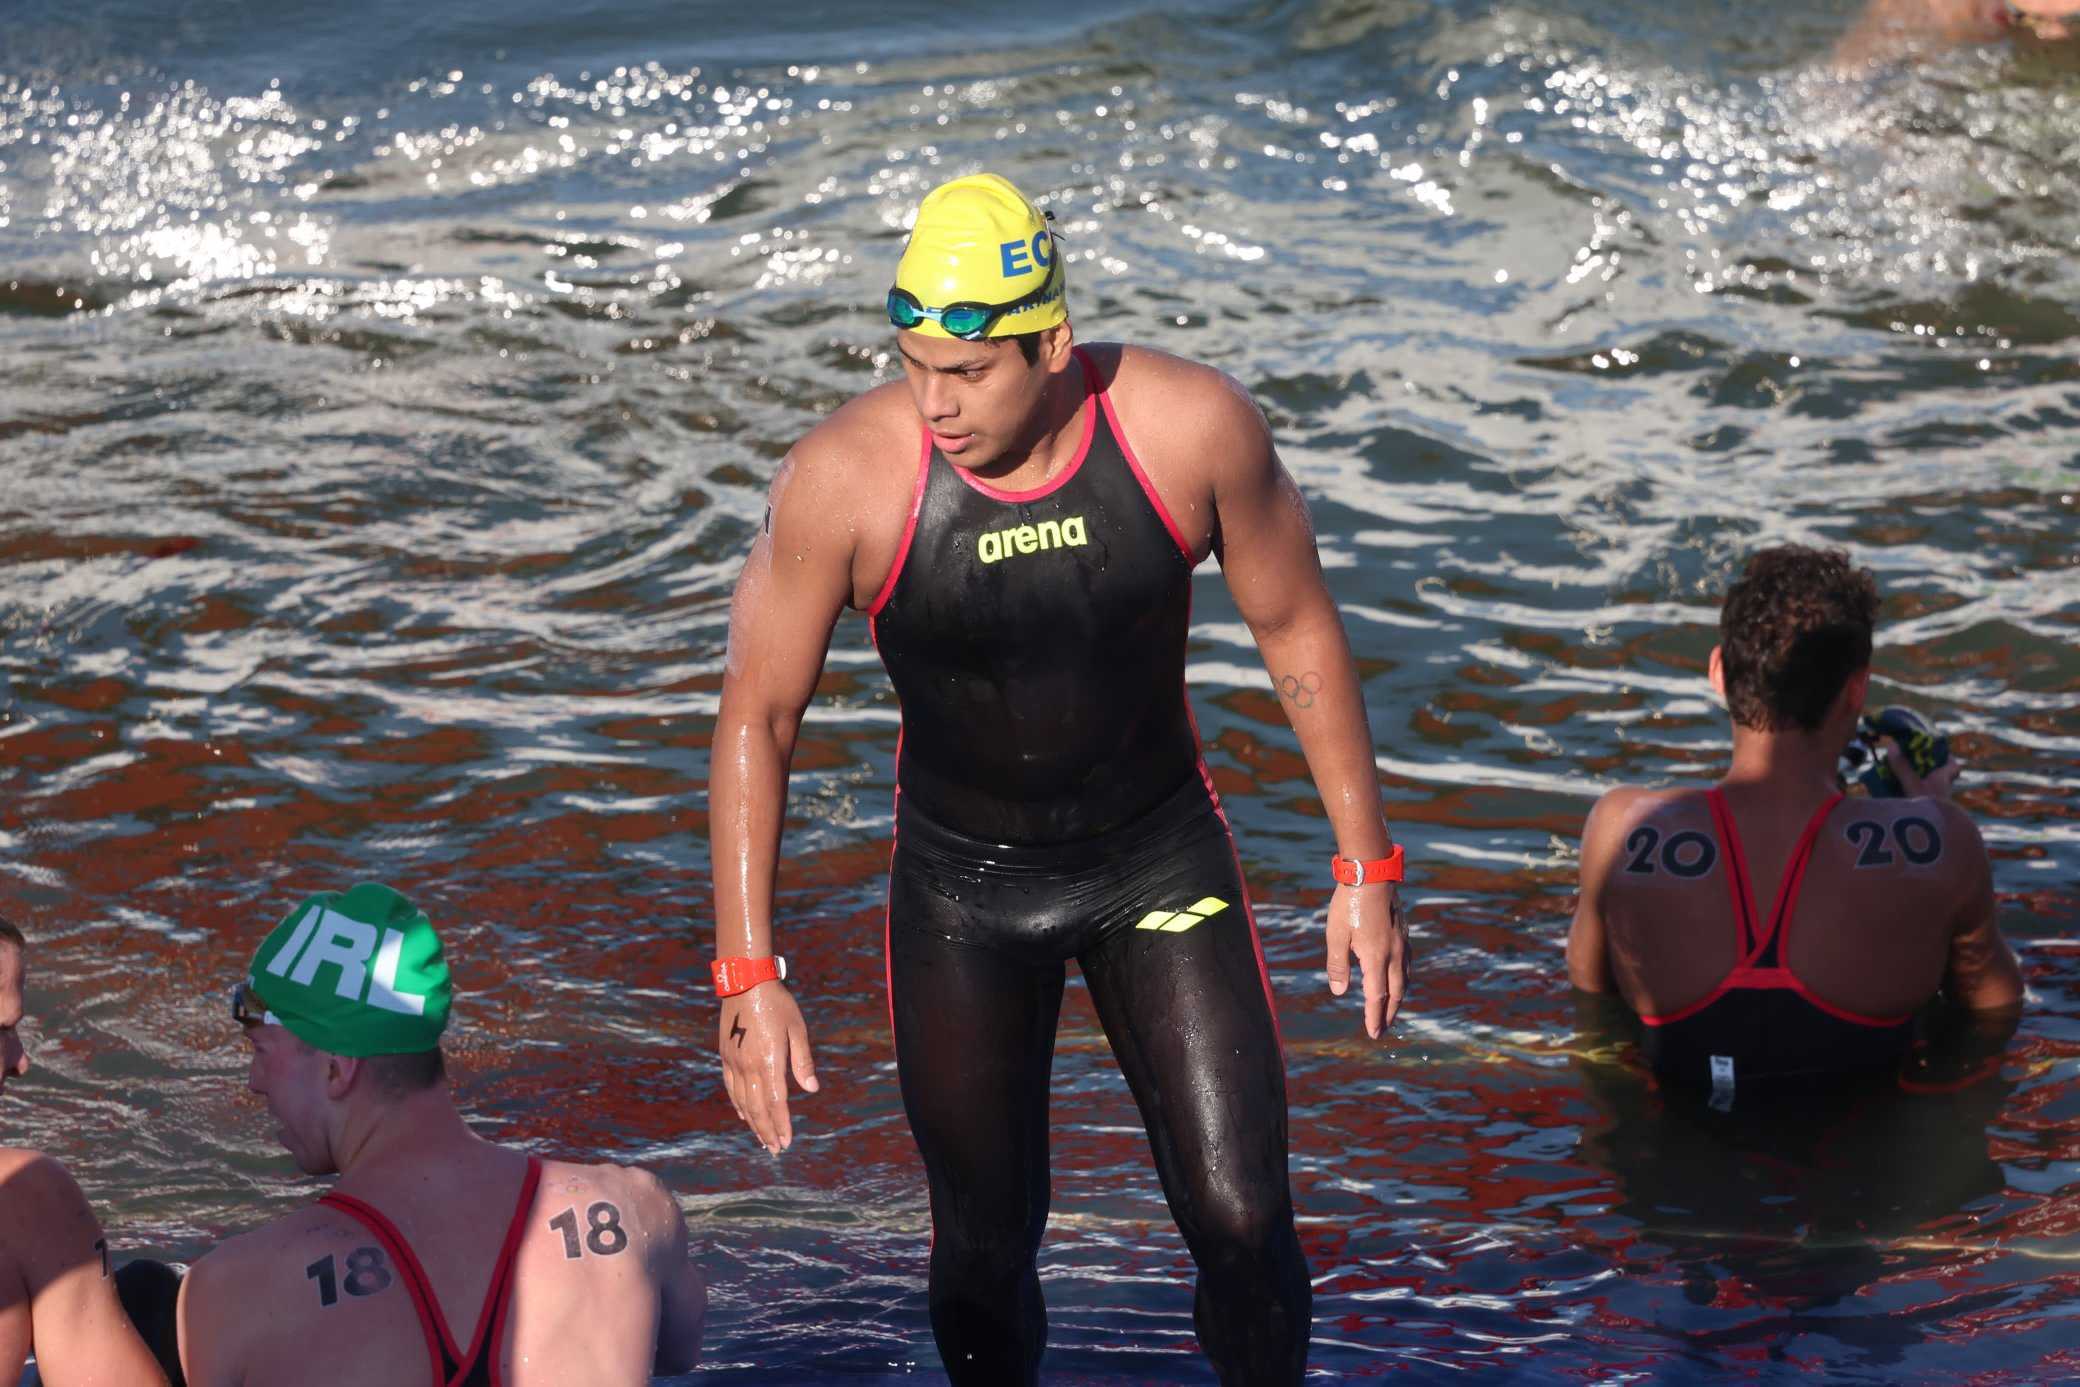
(995,545)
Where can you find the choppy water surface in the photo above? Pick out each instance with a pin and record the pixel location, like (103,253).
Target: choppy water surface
(390,393)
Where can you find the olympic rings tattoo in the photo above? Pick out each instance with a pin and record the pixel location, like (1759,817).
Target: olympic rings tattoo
(1300,689)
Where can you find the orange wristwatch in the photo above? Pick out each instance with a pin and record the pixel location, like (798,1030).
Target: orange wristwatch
(1351,872)
(734,975)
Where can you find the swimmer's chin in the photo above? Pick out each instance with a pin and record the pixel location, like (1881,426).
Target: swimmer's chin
(307,1165)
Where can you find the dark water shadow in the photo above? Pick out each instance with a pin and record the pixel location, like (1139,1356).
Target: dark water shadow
(1791,1203)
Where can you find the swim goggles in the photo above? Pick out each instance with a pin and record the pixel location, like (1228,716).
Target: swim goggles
(970,322)
(247,1009)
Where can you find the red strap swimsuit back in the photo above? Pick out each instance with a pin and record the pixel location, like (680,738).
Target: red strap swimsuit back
(452,1367)
(1762,963)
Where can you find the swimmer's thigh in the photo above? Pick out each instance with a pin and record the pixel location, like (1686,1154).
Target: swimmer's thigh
(1190,1021)
(974,1032)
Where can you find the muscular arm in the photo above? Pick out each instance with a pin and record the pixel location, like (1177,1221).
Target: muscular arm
(1266,544)
(1982,974)
(78,1327)
(208,1315)
(1267,553)
(794,584)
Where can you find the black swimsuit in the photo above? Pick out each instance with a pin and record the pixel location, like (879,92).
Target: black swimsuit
(1051,804)
(1036,640)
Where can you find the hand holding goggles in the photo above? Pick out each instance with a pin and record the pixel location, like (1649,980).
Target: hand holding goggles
(971,322)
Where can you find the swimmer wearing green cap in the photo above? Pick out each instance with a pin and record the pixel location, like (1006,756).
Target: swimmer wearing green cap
(437,1257)
(1019,518)
(58,1289)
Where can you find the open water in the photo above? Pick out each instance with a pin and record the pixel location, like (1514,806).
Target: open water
(388,392)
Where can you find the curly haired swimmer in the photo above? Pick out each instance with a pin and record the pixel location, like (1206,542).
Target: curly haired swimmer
(1770,929)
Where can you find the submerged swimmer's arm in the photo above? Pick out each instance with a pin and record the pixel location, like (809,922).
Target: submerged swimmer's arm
(1982,974)
(682,1293)
(77,1324)
(1266,544)
(1588,943)
(795,582)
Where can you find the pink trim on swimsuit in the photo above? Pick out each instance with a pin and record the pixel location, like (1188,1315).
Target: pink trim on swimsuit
(1059,480)
(1148,488)
(888,586)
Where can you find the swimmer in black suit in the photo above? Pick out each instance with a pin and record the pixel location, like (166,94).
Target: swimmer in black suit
(1019,518)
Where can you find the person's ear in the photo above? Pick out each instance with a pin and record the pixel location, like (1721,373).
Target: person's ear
(340,1072)
(1855,689)
(1715,669)
(1055,343)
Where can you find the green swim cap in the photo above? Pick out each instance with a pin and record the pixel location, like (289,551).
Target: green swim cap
(356,973)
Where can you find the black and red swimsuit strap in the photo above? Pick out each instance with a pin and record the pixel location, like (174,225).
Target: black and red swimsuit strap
(1794,880)
(1747,945)
(498,1296)
(1764,948)
(440,1348)
(451,1366)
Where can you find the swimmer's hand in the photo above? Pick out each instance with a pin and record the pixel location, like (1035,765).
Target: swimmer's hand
(1935,785)
(1368,921)
(764,1040)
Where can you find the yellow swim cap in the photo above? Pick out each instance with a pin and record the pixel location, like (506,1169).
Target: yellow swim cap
(979,242)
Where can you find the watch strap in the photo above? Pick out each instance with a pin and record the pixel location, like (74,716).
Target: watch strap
(734,975)
(1350,871)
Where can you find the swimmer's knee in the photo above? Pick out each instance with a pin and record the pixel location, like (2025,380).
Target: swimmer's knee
(150,1293)
(1004,1225)
(1240,1221)
(986,1255)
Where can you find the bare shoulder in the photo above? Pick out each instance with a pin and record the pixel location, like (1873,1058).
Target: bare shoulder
(45,1221)
(233,1297)
(1196,399)
(837,503)
(1949,818)
(1140,370)
(1956,822)
(634,1189)
(247,1260)
(1925,833)
(34,1170)
(230,1289)
(872,437)
(14,1158)
(42,1199)
(1623,808)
